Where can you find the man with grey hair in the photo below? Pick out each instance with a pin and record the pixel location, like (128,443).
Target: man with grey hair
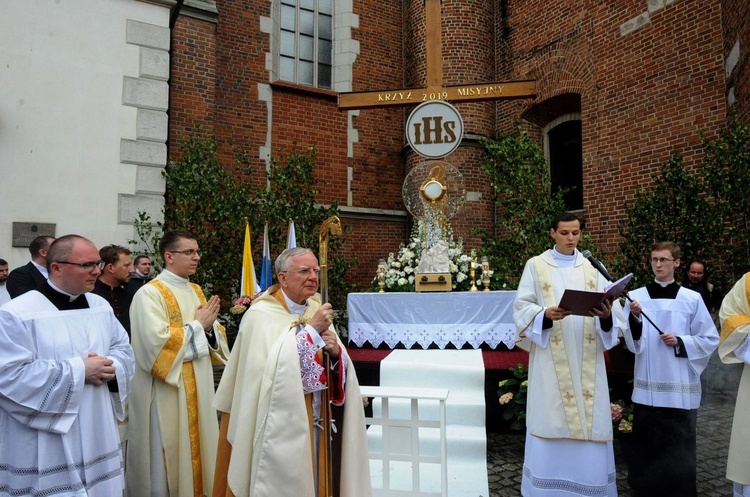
(65,370)
(271,441)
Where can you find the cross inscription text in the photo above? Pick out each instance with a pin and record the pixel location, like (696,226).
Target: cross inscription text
(435,89)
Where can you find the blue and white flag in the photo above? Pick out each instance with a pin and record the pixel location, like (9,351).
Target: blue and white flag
(291,237)
(266,273)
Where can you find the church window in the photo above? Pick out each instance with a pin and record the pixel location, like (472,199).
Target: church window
(306,42)
(563,147)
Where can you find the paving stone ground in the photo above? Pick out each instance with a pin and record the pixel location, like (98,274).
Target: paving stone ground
(505,450)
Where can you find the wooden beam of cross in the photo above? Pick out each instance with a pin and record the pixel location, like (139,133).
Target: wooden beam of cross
(435,89)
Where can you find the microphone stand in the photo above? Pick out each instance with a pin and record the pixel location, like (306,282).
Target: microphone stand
(609,278)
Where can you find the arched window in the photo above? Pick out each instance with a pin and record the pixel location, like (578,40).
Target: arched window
(563,149)
(306,42)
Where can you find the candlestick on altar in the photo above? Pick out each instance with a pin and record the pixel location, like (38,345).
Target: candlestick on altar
(381,275)
(472,274)
(485,273)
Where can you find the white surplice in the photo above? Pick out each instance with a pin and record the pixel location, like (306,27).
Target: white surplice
(735,348)
(568,444)
(661,378)
(58,434)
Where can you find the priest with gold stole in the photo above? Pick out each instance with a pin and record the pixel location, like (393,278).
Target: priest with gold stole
(569,426)
(173,428)
(272,441)
(735,348)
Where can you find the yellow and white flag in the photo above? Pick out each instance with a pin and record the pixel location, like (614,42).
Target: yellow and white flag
(248,281)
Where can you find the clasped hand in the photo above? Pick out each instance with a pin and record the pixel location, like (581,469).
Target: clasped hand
(322,321)
(99,370)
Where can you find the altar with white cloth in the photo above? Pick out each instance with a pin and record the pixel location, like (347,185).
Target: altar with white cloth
(442,318)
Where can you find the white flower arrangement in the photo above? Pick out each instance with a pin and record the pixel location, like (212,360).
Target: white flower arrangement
(399,276)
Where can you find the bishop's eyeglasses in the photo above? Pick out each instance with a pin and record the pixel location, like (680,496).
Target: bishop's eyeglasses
(305,271)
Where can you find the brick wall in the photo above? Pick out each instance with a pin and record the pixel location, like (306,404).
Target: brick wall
(192,80)
(736,52)
(645,82)
(643,94)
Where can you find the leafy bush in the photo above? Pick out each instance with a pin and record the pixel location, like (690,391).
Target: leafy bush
(674,208)
(204,198)
(512,395)
(519,176)
(705,211)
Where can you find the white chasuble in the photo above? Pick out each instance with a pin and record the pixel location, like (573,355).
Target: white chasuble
(568,395)
(173,427)
(269,429)
(735,348)
(58,435)
(569,427)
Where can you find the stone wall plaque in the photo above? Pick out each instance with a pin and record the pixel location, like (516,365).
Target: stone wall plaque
(24,233)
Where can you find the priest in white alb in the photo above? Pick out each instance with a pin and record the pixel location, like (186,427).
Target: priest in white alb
(65,371)
(735,348)
(569,425)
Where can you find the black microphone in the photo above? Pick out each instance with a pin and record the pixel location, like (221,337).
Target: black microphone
(598,265)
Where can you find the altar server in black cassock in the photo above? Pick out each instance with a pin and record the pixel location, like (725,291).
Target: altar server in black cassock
(666,387)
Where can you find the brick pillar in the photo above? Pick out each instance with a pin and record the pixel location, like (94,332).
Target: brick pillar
(468,57)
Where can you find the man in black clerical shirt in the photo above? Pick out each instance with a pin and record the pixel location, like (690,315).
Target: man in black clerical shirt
(112,282)
(697,280)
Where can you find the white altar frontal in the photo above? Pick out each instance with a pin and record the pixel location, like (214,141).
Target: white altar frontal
(421,319)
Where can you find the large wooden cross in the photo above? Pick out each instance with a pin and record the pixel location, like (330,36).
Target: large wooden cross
(435,89)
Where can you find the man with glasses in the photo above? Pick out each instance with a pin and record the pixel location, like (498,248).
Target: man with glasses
(269,397)
(65,370)
(667,388)
(176,337)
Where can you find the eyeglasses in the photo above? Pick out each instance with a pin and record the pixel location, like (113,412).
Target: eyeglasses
(189,253)
(305,271)
(86,266)
(660,260)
